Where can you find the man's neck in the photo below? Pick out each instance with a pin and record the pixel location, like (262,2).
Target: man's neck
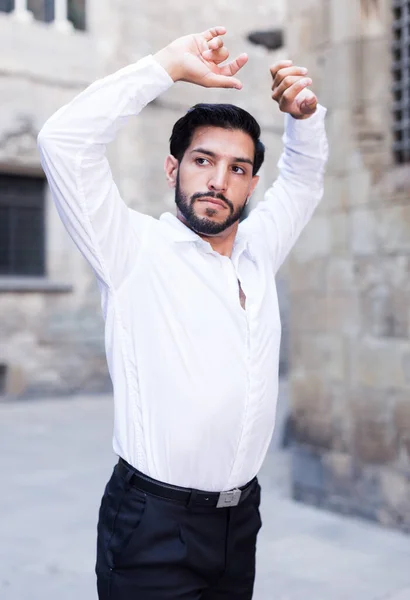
(222,242)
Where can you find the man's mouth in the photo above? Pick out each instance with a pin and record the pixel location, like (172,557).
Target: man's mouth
(214,201)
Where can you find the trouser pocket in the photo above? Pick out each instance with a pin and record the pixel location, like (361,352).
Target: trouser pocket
(121,514)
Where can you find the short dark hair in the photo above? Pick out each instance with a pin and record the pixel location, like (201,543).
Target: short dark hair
(226,116)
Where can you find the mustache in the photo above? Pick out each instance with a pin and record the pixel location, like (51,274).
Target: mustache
(218,196)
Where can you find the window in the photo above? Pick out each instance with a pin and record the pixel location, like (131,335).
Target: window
(43,10)
(6,5)
(401,80)
(22,226)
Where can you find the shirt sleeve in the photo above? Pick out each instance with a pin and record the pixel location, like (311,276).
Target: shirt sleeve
(289,204)
(72,146)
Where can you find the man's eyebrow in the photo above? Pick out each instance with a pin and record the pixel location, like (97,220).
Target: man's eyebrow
(213,155)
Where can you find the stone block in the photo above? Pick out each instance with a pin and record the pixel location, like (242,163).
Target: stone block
(340,275)
(379,363)
(340,470)
(339,63)
(385,312)
(339,233)
(311,410)
(343,314)
(363,232)
(401,418)
(373,89)
(393,229)
(315,241)
(320,354)
(307,276)
(342,147)
(336,194)
(395,488)
(345,18)
(359,185)
(325,314)
(307,313)
(366,489)
(374,438)
(307,469)
(377,271)
(338,395)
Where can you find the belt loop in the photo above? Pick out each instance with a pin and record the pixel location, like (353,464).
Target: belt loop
(129,474)
(192,498)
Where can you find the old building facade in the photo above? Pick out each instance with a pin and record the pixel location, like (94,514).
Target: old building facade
(350,272)
(51,329)
(349,276)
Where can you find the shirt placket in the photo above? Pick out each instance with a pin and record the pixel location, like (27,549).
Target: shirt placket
(233,282)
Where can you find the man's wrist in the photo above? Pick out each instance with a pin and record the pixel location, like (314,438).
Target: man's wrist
(166,59)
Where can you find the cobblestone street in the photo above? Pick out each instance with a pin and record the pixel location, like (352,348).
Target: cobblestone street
(55,459)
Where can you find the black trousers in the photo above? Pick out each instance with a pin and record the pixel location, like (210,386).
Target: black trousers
(151,548)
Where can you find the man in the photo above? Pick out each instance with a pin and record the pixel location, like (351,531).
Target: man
(192,320)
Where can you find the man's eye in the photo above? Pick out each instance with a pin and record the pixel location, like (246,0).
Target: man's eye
(238,170)
(201,161)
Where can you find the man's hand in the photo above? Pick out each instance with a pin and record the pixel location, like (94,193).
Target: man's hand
(290,90)
(197,59)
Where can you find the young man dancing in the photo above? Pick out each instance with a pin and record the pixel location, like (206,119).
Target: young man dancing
(192,326)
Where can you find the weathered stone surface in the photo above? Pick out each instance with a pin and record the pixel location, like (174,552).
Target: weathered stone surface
(379,363)
(361,233)
(402,422)
(315,353)
(308,276)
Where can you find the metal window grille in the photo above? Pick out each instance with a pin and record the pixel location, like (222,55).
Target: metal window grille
(22,227)
(43,10)
(401,80)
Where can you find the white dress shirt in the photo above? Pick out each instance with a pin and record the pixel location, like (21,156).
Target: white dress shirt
(195,376)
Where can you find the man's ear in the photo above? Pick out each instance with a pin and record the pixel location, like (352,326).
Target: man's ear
(254,183)
(171,170)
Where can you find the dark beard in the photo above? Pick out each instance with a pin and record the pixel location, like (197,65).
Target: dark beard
(202,225)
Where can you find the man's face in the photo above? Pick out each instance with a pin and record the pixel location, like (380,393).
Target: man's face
(214,179)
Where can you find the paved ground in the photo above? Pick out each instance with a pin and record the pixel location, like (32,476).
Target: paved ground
(55,459)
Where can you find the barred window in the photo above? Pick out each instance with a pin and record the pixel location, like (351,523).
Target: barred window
(43,10)
(22,226)
(401,83)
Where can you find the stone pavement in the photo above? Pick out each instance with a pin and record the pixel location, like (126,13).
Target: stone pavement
(55,457)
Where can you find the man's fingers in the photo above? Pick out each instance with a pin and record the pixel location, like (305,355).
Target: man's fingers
(216,43)
(286,83)
(215,80)
(285,73)
(233,67)
(209,34)
(216,56)
(289,96)
(280,65)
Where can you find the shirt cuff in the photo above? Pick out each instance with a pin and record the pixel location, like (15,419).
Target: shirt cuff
(159,70)
(306,129)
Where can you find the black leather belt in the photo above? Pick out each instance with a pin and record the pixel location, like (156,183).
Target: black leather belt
(188,496)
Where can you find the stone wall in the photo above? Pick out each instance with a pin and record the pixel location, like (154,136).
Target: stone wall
(350,277)
(51,331)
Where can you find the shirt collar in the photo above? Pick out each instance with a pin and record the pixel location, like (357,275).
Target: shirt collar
(182,233)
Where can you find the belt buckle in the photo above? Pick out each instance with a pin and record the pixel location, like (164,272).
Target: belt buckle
(228,499)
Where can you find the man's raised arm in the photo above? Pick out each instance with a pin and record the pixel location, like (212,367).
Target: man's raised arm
(72,146)
(73,142)
(289,204)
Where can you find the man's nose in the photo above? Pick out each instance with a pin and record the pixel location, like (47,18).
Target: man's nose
(219,180)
